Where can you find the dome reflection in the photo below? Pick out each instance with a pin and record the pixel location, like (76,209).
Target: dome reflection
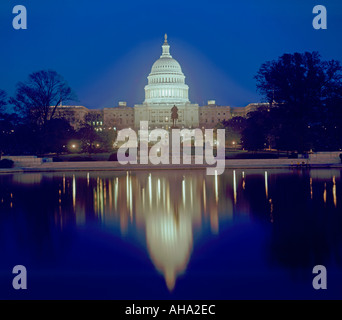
(169,242)
(168,208)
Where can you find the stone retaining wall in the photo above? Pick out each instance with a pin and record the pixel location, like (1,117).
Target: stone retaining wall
(24,161)
(326,157)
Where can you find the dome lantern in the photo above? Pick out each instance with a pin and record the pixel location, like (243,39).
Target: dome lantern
(166,48)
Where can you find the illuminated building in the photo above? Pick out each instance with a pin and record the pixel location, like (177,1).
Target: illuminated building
(166,88)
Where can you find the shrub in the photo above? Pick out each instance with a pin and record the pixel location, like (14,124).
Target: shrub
(113,157)
(6,163)
(80,158)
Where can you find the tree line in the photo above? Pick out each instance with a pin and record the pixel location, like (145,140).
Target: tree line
(303,112)
(303,109)
(30,124)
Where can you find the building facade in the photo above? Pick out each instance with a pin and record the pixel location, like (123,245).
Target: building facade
(165,89)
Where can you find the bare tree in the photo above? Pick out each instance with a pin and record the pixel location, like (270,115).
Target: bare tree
(38,98)
(3,121)
(3,100)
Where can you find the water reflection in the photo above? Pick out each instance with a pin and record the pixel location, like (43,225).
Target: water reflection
(167,207)
(174,208)
(266,185)
(334,191)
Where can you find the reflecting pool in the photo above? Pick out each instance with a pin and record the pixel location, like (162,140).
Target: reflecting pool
(246,234)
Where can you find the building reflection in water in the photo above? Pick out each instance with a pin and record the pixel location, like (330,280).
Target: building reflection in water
(266,185)
(334,191)
(169,207)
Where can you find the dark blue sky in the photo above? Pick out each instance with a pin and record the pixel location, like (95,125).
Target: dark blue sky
(105,48)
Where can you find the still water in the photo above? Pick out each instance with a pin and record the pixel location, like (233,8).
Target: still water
(247,234)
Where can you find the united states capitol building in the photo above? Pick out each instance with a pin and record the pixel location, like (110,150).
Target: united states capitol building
(165,89)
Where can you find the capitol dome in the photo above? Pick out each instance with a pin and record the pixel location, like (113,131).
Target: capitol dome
(166,65)
(166,82)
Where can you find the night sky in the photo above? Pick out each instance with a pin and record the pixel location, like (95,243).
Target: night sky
(105,48)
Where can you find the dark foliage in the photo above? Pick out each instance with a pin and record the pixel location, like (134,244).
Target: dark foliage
(113,157)
(305,98)
(37,98)
(6,163)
